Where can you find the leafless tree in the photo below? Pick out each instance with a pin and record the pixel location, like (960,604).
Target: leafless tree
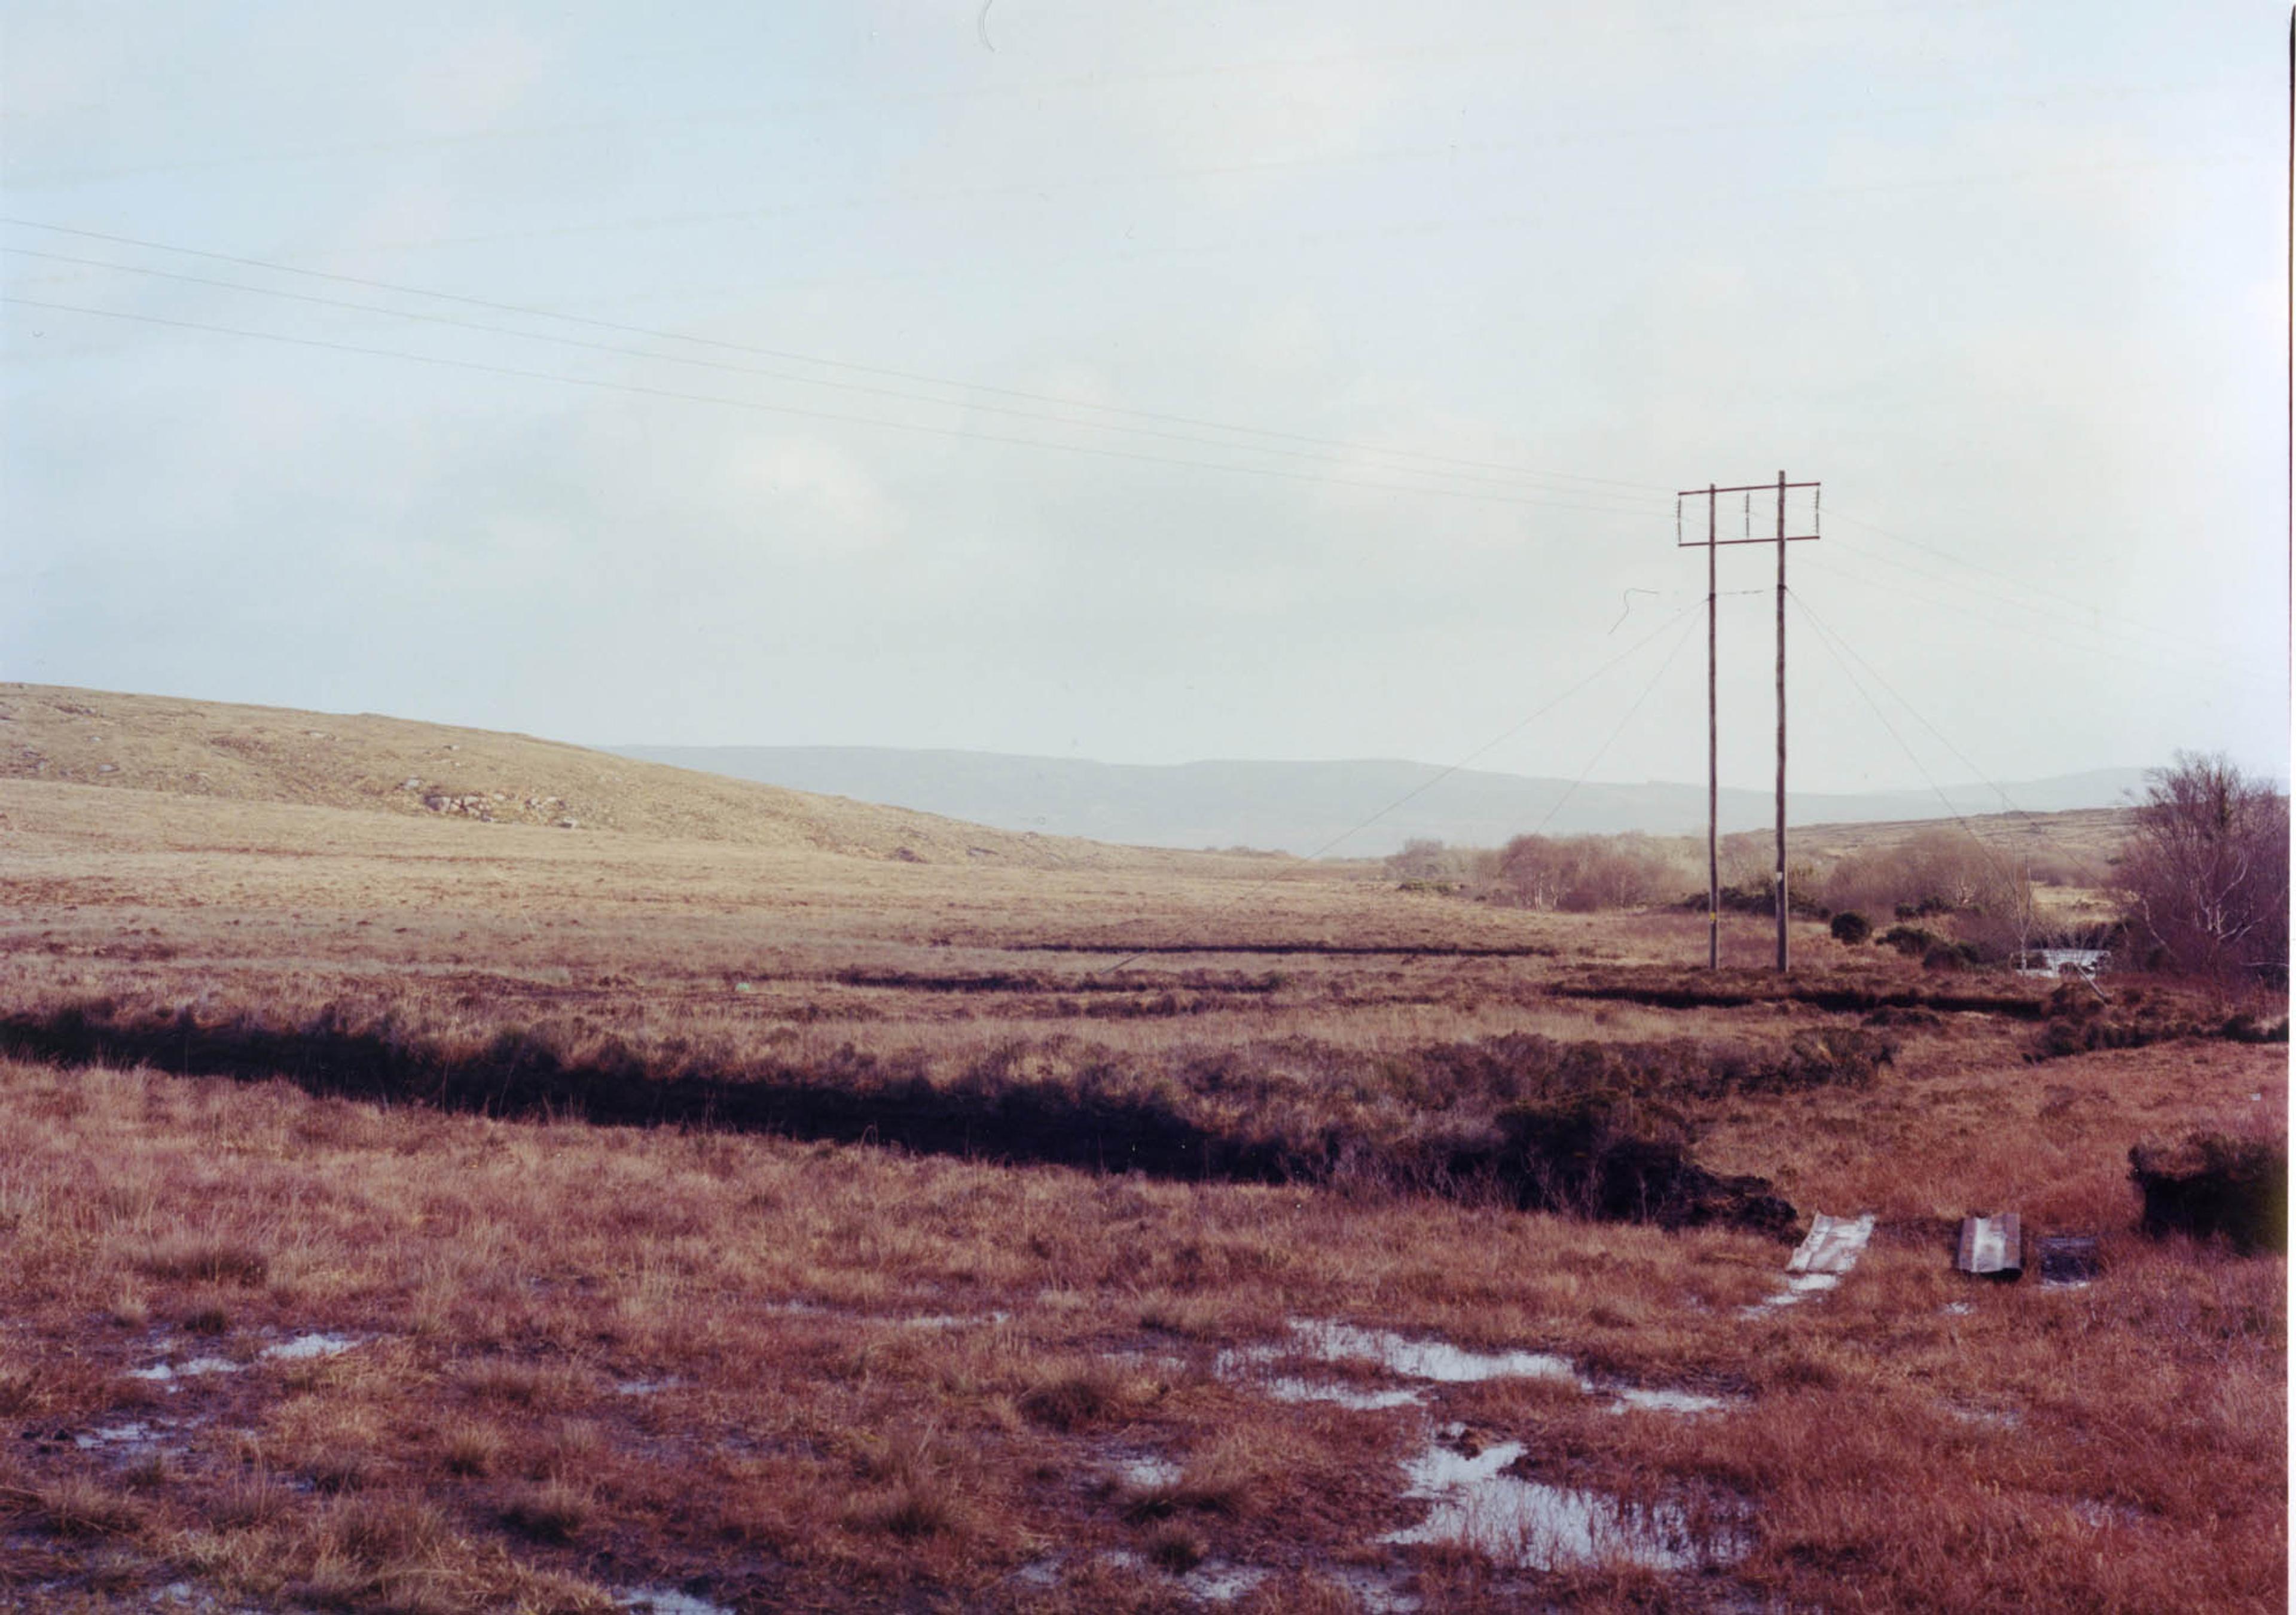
(2205,873)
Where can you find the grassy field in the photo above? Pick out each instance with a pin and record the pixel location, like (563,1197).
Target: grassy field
(405,1211)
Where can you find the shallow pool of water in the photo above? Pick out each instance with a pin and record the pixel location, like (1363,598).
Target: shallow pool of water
(1424,1359)
(1533,1525)
(304,1347)
(1216,1582)
(1290,1388)
(668,1601)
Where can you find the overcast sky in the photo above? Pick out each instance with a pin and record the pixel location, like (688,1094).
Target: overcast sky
(1161,381)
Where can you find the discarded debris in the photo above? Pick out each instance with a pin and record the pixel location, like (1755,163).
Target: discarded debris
(1819,1261)
(1991,1247)
(1834,1245)
(2066,1259)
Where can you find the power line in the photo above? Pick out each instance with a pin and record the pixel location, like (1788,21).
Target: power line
(642,391)
(863,388)
(1543,220)
(1612,738)
(1429,784)
(1098,83)
(1825,637)
(1839,645)
(498,306)
(1898,592)
(2014,581)
(1452,151)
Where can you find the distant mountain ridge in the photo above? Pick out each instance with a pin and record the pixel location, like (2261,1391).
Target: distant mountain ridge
(1302,808)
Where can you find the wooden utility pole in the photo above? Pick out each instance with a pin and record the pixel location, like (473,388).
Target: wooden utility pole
(1713,761)
(1713,765)
(1781,877)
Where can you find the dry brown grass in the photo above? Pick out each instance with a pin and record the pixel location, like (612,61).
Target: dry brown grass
(809,1374)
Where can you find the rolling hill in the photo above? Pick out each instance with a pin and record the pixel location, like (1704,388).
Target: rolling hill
(395,765)
(1301,807)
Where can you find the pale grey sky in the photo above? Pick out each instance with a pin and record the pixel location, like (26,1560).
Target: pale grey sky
(2008,277)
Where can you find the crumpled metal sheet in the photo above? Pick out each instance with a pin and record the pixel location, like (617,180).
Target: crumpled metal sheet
(1991,1246)
(1834,1245)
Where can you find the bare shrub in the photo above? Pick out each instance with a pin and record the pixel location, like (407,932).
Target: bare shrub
(1583,873)
(2204,877)
(1937,870)
(1424,865)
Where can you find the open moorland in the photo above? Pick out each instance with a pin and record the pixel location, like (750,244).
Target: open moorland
(737,1200)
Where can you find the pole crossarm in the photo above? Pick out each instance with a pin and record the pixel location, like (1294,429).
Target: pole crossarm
(1700,544)
(1743,487)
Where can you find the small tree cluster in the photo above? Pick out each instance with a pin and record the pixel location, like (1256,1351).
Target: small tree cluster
(2204,876)
(1932,871)
(1427,863)
(1582,873)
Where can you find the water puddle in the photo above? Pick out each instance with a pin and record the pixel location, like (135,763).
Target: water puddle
(1147,1473)
(305,1346)
(1634,1399)
(1818,1264)
(1290,1388)
(1043,1572)
(668,1601)
(136,1434)
(1531,1525)
(1431,1361)
(952,1320)
(642,1388)
(1215,1581)
(2100,1515)
(1425,1359)
(1799,1289)
(167,1374)
(1377,1592)
(1989,1418)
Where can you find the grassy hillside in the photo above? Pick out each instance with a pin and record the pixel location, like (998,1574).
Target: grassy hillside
(2085,836)
(388,764)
